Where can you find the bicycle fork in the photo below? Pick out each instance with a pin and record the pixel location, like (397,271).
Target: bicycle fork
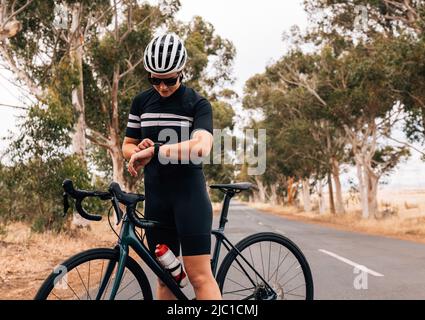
(123,254)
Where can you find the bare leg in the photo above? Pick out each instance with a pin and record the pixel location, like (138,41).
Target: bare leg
(163,293)
(200,275)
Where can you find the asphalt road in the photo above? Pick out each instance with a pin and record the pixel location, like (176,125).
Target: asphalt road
(345,265)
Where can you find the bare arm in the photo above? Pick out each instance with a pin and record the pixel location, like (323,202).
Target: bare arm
(130,147)
(199,146)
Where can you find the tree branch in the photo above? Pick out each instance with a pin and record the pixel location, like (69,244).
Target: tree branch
(15,13)
(11,106)
(407,145)
(21,74)
(98,139)
(132,67)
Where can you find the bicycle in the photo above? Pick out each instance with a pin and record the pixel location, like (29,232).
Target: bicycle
(106,273)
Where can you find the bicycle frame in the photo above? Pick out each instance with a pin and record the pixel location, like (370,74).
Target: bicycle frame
(129,239)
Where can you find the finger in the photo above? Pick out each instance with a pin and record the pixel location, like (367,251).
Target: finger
(132,172)
(130,167)
(138,167)
(147,143)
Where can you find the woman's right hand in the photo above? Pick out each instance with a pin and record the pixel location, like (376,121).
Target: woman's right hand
(146,143)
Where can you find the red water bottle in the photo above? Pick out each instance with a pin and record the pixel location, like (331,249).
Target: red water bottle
(169,261)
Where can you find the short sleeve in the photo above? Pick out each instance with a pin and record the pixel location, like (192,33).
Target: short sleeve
(203,118)
(133,126)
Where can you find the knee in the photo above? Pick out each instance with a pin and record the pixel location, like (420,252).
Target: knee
(199,280)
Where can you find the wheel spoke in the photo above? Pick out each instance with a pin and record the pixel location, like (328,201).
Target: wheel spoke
(286,292)
(135,295)
(88,282)
(231,292)
(56,296)
(125,285)
(249,297)
(236,283)
(268,268)
(287,271)
(262,260)
(100,280)
(253,264)
(82,281)
(67,284)
(278,264)
(296,295)
(292,278)
(277,268)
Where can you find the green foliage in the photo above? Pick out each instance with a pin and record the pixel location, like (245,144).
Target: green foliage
(35,192)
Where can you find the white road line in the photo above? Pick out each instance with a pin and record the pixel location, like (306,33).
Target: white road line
(352,263)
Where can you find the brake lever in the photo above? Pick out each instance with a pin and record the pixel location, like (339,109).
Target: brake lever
(65,204)
(117,209)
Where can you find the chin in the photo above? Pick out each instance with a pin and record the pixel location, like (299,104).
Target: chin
(165,95)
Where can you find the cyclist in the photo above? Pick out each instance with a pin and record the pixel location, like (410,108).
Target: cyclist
(178,117)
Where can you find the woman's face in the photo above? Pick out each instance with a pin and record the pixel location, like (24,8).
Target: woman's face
(164,90)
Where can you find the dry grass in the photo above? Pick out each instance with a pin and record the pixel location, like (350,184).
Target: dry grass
(26,258)
(407,222)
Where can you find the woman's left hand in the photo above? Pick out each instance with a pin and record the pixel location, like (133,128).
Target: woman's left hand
(139,160)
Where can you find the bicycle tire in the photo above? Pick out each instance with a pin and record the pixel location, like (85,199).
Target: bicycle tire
(92,255)
(251,240)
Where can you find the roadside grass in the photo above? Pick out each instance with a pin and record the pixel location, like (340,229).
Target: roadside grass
(27,258)
(402,225)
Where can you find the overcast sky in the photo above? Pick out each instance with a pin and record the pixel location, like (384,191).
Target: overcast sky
(255,28)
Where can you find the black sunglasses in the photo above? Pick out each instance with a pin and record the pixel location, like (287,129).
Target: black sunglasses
(169,82)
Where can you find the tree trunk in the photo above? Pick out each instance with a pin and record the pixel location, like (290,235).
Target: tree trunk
(262,192)
(362,187)
(118,168)
(339,204)
(291,191)
(322,203)
(331,194)
(76,56)
(273,194)
(372,193)
(306,195)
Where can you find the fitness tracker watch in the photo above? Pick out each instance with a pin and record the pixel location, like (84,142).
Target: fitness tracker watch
(156,148)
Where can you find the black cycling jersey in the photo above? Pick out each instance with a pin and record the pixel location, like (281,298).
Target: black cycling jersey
(176,194)
(169,120)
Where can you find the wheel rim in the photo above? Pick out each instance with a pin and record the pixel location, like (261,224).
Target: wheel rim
(276,264)
(84,281)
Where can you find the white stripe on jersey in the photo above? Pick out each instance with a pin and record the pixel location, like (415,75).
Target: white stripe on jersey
(133,125)
(133,117)
(166,124)
(164,115)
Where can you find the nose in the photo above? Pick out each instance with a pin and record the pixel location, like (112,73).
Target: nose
(162,86)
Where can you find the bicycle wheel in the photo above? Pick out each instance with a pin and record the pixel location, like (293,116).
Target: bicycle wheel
(90,275)
(276,259)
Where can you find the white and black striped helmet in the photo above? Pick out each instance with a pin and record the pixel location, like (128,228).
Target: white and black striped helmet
(165,54)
